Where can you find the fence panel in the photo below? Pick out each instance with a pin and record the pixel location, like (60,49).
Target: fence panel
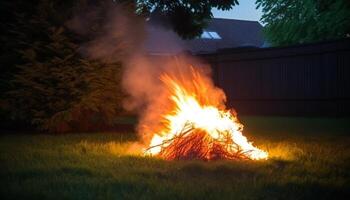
(299,80)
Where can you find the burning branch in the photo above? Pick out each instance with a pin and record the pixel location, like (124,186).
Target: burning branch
(193,143)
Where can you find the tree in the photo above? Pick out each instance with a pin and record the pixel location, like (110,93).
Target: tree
(186,17)
(54,87)
(62,92)
(296,22)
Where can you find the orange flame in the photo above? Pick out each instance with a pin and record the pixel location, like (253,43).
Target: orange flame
(194,102)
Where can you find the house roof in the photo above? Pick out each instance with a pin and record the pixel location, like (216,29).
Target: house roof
(233,34)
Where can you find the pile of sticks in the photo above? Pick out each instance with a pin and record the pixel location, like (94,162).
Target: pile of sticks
(196,144)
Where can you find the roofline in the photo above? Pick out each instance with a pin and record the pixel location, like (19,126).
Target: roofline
(242,20)
(235,19)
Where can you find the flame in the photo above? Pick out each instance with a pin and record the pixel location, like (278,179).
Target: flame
(192,106)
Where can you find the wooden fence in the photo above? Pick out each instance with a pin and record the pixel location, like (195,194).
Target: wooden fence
(305,80)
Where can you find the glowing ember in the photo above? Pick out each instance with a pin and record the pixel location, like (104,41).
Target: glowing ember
(197,126)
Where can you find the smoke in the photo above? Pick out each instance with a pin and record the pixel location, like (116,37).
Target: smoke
(121,38)
(111,32)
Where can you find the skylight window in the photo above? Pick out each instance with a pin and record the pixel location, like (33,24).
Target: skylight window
(215,35)
(210,35)
(205,35)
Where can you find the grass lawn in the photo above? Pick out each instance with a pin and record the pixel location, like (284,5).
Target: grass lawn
(310,159)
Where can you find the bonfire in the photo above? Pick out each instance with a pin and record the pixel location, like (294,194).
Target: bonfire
(198,126)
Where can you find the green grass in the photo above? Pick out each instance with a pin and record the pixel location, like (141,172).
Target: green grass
(310,159)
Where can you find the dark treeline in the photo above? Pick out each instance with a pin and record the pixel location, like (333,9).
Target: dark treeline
(46,83)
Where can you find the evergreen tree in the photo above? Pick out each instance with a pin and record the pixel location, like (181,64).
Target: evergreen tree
(296,22)
(55,88)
